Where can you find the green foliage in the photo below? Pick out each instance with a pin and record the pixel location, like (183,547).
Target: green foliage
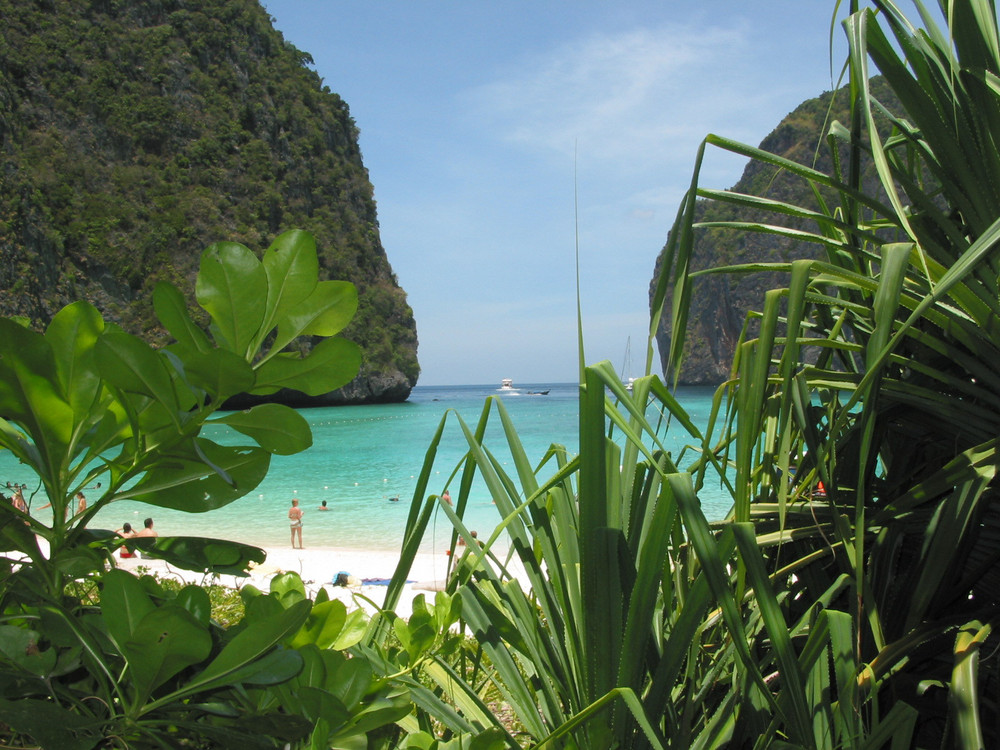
(90,655)
(720,302)
(852,616)
(135,134)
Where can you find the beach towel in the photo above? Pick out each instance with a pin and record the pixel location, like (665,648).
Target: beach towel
(379,581)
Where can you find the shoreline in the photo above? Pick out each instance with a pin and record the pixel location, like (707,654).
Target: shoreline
(318,567)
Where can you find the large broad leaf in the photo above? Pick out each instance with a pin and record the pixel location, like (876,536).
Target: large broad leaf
(323,627)
(172,311)
(292,270)
(231,286)
(331,364)
(124,602)
(218,372)
(49,725)
(15,535)
(21,646)
(196,600)
(206,479)
(238,658)
(216,556)
(129,363)
(166,640)
(275,427)
(73,334)
(29,395)
(325,313)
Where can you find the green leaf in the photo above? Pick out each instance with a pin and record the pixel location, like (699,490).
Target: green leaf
(277,428)
(73,333)
(219,372)
(129,363)
(288,588)
(29,396)
(350,680)
(231,287)
(124,603)
(20,646)
(323,626)
(195,600)
(50,725)
(172,311)
(326,312)
(166,640)
(185,482)
(331,364)
(292,270)
(251,643)
(216,556)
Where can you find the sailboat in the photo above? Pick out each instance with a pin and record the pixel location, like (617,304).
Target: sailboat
(626,373)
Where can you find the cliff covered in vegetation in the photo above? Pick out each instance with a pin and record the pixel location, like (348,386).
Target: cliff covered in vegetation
(720,302)
(134,134)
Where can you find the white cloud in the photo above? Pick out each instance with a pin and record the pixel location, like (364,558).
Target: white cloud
(618,96)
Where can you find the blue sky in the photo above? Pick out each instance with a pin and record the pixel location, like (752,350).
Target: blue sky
(480,120)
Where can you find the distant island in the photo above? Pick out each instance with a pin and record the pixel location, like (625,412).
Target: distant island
(136,134)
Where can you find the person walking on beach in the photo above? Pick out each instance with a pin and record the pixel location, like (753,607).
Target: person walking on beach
(81,502)
(295,516)
(147,528)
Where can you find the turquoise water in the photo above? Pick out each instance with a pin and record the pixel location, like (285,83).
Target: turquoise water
(364,455)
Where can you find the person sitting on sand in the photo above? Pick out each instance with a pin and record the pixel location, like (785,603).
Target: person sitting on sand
(322,506)
(147,528)
(295,516)
(17,500)
(126,532)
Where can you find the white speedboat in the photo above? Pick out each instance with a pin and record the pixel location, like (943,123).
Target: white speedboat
(507,384)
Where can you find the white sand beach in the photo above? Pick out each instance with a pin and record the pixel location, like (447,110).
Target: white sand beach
(318,567)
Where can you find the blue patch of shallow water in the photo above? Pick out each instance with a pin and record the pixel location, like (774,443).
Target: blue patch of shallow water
(363,456)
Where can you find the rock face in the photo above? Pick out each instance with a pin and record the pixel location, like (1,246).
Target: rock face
(720,302)
(134,134)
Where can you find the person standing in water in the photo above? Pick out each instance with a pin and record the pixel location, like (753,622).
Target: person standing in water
(295,517)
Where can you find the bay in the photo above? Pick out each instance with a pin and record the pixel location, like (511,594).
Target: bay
(365,456)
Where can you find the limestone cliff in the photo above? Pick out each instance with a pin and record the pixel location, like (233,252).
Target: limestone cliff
(720,303)
(134,134)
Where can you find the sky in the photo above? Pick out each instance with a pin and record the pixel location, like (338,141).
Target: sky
(504,140)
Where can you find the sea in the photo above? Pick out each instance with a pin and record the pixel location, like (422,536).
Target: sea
(365,462)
